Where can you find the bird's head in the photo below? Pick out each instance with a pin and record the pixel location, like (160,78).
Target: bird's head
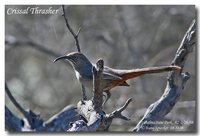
(77,59)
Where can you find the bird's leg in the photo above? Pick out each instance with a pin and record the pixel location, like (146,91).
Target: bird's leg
(104,95)
(84,97)
(108,94)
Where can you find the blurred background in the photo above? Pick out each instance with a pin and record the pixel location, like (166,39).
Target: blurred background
(125,37)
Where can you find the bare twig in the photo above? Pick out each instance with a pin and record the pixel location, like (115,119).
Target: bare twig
(43,49)
(75,35)
(115,114)
(175,84)
(16,42)
(118,113)
(14,101)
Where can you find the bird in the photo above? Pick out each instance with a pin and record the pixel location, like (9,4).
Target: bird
(111,77)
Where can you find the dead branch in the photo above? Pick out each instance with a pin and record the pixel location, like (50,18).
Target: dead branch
(12,123)
(58,123)
(175,84)
(13,42)
(33,120)
(118,113)
(14,101)
(75,35)
(98,91)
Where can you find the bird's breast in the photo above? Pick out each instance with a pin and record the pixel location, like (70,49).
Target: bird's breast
(77,75)
(86,80)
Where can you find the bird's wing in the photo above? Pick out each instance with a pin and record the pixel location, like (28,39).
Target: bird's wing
(114,74)
(109,73)
(110,76)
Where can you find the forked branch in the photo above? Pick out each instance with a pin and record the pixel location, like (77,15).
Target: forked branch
(75,35)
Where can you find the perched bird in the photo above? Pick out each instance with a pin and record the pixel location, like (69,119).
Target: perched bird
(111,77)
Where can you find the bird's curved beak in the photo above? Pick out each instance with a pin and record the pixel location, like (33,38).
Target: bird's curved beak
(61,57)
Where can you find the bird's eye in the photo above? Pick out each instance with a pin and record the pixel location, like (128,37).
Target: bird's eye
(75,58)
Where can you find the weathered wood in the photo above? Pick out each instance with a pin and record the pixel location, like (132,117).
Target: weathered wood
(61,121)
(58,123)
(12,123)
(98,90)
(175,84)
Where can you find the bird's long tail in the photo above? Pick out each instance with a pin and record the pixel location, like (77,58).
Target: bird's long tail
(138,72)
